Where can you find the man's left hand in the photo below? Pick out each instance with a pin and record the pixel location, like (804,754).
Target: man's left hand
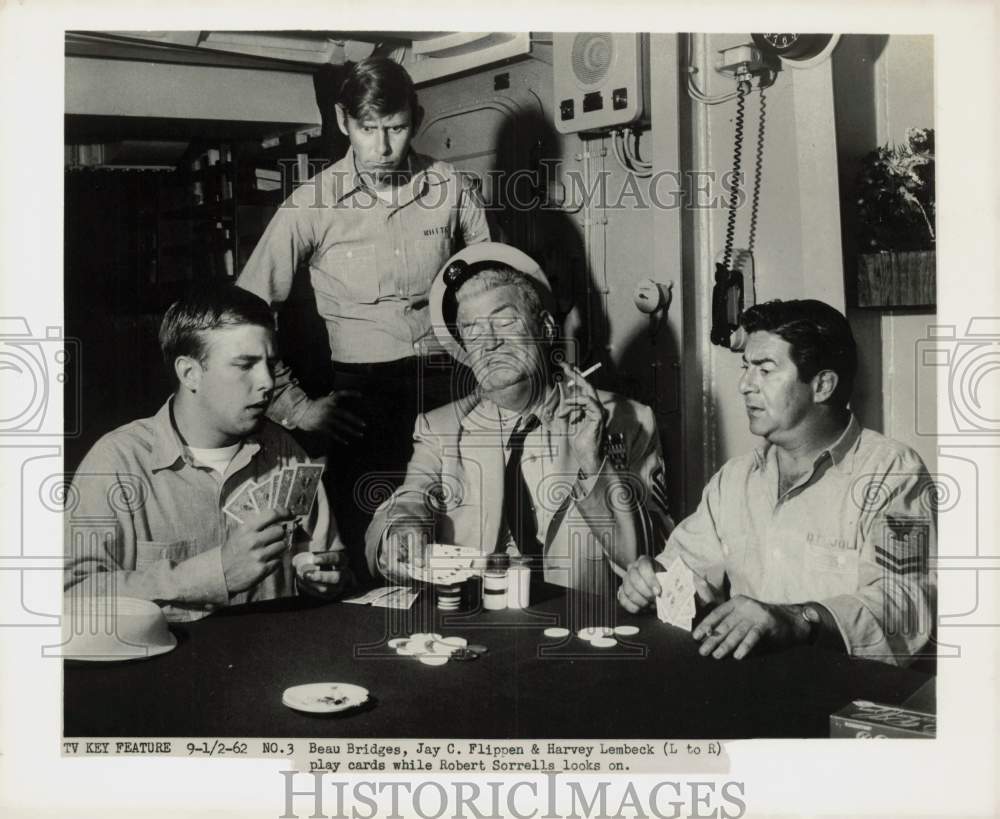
(584,417)
(741,623)
(322,574)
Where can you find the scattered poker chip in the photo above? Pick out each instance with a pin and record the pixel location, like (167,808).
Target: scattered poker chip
(433,659)
(433,649)
(457,642)
(594,632)
(324,698)
(556,632)
(626,631)
(603,642)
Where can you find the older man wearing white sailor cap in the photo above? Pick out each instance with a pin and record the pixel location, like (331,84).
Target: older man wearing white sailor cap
(536,461)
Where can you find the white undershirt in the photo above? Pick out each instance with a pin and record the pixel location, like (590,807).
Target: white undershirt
(217,459)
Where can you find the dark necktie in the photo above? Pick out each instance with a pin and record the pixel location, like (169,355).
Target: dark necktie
(519,509)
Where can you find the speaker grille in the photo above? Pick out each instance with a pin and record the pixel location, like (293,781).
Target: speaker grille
(593,56)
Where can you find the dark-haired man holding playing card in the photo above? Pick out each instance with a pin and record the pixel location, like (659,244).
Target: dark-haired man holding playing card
(207,503)
(824,534)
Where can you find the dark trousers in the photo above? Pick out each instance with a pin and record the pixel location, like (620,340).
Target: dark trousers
(362,475)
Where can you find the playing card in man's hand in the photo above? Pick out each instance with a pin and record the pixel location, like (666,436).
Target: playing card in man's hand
(305,484)
(675,603)
(280,497)
(261,494)
(242,503)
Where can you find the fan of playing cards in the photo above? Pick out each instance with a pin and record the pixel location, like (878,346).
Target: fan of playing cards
(448,564)
(293,488)
(675,603)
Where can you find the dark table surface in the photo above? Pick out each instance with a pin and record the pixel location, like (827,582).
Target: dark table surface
(228,672)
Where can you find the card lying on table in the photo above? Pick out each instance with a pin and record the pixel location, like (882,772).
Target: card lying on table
(675,603)
(386,597)
(369,597)
(401,597)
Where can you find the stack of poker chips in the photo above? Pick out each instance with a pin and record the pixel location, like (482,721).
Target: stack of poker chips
(449,597)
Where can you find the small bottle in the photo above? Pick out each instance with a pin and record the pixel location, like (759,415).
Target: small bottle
(495,583)
(472,593)
(519,583)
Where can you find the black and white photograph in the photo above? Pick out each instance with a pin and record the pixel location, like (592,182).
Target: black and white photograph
(576,409)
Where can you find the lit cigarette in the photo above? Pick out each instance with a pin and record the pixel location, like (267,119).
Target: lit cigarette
(589,371)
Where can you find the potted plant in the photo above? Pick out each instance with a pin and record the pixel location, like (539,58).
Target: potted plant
(896,219)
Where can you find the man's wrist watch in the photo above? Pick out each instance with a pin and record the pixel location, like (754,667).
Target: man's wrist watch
(813,620)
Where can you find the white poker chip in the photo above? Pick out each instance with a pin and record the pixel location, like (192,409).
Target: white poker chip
(420,636)
(433,659)
(556,632)
(626,631)
(396,642)
(594,632)
(324,698)
(603,642)
(409,648)
(457,642)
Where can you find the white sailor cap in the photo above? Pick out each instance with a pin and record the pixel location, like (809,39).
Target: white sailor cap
(461,267)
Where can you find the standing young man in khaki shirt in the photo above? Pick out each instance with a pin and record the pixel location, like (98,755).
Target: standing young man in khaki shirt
(373,229)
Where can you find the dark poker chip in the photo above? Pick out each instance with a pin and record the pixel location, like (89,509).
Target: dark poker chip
(464,655)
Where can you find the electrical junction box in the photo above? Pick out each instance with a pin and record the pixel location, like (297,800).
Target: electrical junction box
(600,80)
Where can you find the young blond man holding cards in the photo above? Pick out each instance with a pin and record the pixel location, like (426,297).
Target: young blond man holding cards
(824,534)
(207,503)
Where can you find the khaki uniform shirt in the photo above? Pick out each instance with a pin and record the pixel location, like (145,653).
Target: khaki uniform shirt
(856,535)
(144,519)
(371,262)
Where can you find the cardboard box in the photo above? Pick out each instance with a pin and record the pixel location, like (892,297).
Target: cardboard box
(868,720)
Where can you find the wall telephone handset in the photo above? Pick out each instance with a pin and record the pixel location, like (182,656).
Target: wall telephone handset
(729,291)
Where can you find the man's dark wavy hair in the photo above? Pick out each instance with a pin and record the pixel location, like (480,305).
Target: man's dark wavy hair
(819,336)
(208,307)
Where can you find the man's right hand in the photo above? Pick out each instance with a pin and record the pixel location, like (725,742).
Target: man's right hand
(404,546)
(254,549)
(639,587)
(326,416)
